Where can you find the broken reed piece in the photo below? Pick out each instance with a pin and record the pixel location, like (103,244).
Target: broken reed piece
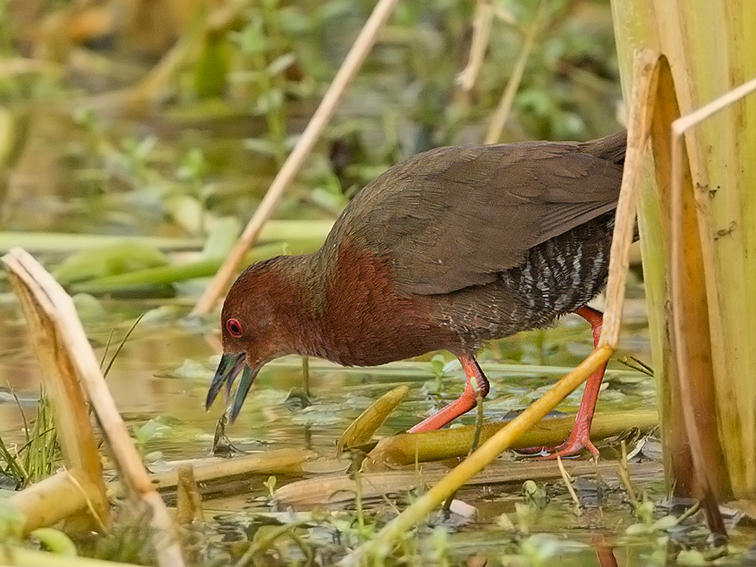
(285,461)
(189,514)
(77,498)
(188,498)
(79,490)
(339,490)
(482,20)
(65,350)
(503,109)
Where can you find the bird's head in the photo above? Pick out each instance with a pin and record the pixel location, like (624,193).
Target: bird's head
(253,328)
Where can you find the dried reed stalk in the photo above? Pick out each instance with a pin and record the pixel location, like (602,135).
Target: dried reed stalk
(70,412)
(72,357)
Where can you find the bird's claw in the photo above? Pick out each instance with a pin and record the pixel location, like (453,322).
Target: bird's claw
(571,448)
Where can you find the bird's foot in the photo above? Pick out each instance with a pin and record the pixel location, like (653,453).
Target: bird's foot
(572,447)
(476,388)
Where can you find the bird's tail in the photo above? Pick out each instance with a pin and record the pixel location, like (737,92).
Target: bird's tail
(611,147)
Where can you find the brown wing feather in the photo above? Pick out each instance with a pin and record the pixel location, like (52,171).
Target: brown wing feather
(454,217)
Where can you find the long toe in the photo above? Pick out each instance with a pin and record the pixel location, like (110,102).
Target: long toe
(534,451)
(572,447)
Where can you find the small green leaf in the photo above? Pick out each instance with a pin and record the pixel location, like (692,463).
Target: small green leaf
(153,429)
(535,496)
(638,529)
(251,40)
(270,485)
(192,166)
(691,557)
(665,523)
(55,541)
(281,63)
(437,365)
(221,237)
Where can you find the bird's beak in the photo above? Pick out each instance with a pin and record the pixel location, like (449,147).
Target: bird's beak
(228,369)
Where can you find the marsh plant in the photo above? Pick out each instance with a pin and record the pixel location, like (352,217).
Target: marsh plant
(38,456)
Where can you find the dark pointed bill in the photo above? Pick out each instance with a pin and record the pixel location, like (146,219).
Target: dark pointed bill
(248,376)
(228,369)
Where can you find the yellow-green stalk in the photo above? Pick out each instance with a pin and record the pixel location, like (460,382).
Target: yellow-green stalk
(708,47)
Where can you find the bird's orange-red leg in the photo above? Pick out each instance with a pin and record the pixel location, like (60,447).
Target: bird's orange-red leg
(476,383)
(579,438)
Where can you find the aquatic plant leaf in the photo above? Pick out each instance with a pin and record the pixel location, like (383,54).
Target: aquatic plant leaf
(223,234)
(108,260)
(55,541)
(361,430)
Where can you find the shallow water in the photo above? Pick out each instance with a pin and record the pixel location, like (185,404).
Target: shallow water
(160,380)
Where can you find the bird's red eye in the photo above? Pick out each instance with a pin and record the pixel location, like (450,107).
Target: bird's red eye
(234,328)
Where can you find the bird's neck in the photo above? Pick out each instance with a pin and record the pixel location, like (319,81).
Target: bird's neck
(340,305)
(301,304)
